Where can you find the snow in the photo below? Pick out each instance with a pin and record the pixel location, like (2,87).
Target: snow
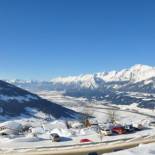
(147,149)
(125,114)
(39,114)
(18,98)
(10,127)
(62,132)
(136,77)
(134,74)
(58,124)
(41,129)
(83,80)
(11,124)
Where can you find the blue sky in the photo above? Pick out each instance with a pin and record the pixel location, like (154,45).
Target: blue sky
(41,39)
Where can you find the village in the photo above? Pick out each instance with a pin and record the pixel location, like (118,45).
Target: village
(59,130)
(99,124)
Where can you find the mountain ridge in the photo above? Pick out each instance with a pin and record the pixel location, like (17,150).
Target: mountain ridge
(136,77)
(115,87)
(15,101)
(133,69)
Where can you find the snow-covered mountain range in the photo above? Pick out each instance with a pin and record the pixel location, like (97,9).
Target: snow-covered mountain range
(117,87)
(135,74)
(140,78)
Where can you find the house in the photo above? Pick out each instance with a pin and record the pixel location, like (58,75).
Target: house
(10,127)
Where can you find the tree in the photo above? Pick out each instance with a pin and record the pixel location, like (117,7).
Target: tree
(112,116)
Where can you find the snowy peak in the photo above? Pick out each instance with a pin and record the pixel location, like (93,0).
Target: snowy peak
(135,74)
(141,67)
(136,78)
(117,87)
(140,72)
(82,80)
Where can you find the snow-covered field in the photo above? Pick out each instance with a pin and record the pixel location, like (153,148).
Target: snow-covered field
(41,128)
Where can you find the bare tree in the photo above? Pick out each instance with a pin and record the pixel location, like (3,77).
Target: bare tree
(112,116)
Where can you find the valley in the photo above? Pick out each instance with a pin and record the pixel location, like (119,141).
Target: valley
(27,143)
(111,110)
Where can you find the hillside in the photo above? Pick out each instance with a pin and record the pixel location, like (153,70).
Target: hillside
(15,101)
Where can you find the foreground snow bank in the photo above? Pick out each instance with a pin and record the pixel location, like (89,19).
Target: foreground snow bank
(148,149)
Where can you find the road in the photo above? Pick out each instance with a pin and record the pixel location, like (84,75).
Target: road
(100,148)
(118,109)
